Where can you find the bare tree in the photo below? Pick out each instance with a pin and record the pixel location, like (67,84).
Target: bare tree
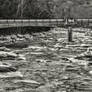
(20,10)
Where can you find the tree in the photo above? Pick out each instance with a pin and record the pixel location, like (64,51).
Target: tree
(8,8)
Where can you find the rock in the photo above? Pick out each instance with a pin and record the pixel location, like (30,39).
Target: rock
(19,35)
(11,56)
(27,81)
(82,59)
(88,53)
(43,61)
(13,36)
(79,61)
(58,45)
(4,67)
(4,49)
(7,69)
(11,74)
(66,59)
(36,53)
(72,68)
(46,88)
(36,47)
(21,57)
(86,45)
(13,89)
(90,72)
(2,90)
(28,37)
(18,44)
(5,64)
(7,55)
(72,46)
(3,53)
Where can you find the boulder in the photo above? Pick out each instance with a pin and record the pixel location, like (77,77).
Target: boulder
(11,56)
(29,83)
(28,37)
(46,88)
(21,57)
(18,44)
(5,67)
(19,36)
(4,49)
(11,75)
(90,72)
(7,55)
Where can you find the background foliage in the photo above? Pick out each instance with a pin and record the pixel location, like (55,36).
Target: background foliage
(44,9)
(25,9)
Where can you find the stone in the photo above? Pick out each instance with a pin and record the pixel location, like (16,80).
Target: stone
(18,44)
(4,49)
(27,81)
(3,54)
(90,72)
(21,57)
(11,75)
(46,88)
(6,67)
(11,56)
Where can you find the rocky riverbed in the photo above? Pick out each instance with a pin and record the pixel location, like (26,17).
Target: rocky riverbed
(40,62)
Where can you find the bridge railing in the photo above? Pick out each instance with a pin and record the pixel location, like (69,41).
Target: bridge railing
(5,23)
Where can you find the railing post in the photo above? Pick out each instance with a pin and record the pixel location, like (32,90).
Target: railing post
(70,34)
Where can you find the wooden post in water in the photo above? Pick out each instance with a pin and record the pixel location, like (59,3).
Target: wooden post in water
(70,34)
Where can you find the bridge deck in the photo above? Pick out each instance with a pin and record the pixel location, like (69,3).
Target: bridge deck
(29,22)
(6,23)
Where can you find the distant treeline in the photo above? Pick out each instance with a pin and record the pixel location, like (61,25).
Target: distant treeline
(45,9)
(33,9)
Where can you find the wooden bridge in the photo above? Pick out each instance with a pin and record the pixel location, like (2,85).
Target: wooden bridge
(31,22)
(8,23)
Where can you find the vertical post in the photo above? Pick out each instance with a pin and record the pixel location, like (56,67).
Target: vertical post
(70,34)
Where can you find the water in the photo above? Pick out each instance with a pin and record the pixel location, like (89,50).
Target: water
(44,64)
